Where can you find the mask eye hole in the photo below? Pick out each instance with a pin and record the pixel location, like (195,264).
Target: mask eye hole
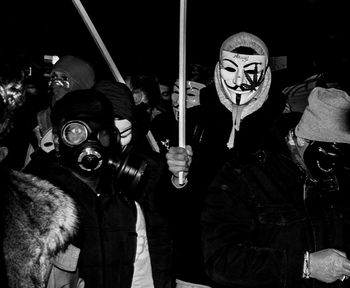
(230,69)
(74,133)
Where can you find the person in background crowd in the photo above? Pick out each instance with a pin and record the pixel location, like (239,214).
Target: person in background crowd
(69,73)
(166,86)
(188,265)
(124,109)
(38,220)
(274,219)
(21,79)
(165,126)
(127,118)
(146,92)
(86,164)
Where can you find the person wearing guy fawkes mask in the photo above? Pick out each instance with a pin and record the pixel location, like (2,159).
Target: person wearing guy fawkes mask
(241,86)
(242,77)
(282,220)
(240,97)
(165,126)
(85,140)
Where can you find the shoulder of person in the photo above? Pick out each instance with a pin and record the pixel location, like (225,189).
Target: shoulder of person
(40,155)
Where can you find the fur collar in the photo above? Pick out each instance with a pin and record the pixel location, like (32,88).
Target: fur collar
(39,220)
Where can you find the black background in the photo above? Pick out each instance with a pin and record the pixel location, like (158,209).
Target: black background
(143,35)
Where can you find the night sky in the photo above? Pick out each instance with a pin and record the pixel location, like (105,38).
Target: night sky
(143,35)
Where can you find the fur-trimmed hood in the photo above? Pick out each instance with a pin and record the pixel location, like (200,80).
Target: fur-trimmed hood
(39,219)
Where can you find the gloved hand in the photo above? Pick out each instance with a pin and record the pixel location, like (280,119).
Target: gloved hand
(329,265)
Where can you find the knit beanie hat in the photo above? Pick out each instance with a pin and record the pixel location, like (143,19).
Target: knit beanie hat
(85,104)
(120,96)
(326,118)
(241,111)
(80,73)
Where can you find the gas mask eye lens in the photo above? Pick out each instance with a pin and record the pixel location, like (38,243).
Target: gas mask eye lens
(74,133)
(104,138)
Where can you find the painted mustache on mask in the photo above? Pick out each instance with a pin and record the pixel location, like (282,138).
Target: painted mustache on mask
(243,87)
(254,83)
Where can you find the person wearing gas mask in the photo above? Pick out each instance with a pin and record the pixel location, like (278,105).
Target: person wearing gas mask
(83,164)
(274,219)
(38,220)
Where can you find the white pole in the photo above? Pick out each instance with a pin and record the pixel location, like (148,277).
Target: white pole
(182,80)
(98,40)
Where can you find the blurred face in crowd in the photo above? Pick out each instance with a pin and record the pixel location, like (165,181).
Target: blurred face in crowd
(241,75)
(164,91)
(192,96)
(138,95)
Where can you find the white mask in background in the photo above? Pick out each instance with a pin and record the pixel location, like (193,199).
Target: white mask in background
(192,96)
(241,75)
(125,129)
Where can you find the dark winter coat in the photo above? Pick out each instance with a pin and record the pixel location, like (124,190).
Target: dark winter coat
(107,235)
(257,227)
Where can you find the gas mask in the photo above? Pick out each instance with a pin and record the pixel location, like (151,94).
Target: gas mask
(88,149)
(85,146)
(329,164)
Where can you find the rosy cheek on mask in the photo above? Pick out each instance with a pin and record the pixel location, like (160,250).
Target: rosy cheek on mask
(175,99)
(124,141)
